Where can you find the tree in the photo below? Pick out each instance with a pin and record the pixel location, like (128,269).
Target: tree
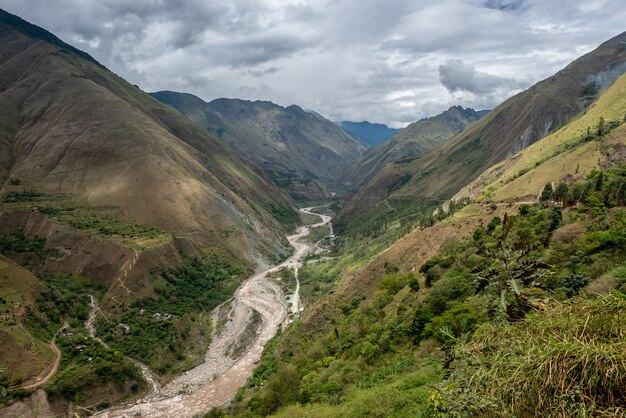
(546,193)
(282,388)
(561,193)
(601,128)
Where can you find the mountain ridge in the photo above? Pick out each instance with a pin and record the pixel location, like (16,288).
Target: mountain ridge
(513,125)
(108,192)
(292,145)
(417,138)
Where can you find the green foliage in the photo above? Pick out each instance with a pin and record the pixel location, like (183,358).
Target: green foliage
(376,221)
(567,361)
(546,193)
(17,242)
(561,193)
(283,214)
(65,297)
(112,227)
(518,267)
(86,364)
(572,283)
(24,196)
(394,283)
(282,388)
(456,321)
(160,326)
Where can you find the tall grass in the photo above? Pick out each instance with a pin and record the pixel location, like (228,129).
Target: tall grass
(569,360)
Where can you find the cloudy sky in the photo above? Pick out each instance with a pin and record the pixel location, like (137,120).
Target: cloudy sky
(389,61)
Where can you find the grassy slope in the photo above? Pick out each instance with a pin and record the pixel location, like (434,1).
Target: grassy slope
(341,311)
(353,355)
(415,139)
(22,355)
(76,128)
(513,125)
(561,155)
(278,139)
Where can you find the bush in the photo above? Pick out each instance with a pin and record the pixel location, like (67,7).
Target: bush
(574,282)
(459,320)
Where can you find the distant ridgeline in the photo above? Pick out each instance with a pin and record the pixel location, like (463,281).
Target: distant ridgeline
(300,151)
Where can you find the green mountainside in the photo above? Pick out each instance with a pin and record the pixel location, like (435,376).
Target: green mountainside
(415,139)
(508,306)
(368,134)
(293,146)
(515,124)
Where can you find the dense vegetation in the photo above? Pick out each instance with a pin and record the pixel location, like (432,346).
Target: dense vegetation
(170,331)
(66,297)
(59,314)
(470,314)
(17,243)
(86,365)
(388,215)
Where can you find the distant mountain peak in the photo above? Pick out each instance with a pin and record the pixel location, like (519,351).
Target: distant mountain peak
(367,133)
(415,139)
(292,145)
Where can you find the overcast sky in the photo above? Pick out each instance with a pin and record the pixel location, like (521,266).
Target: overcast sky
(388,61)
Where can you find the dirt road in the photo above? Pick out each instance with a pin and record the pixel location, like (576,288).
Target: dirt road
(55,367)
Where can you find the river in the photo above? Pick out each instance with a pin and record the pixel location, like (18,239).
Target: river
(227,366)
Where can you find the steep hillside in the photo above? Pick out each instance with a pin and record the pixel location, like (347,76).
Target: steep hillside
(68,126)
(513,125)
(473,316)
(415,139)
(107,192)
(594,140)
(293,146)
(368,134)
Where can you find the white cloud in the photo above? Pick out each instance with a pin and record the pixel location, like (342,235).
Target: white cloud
(390,61)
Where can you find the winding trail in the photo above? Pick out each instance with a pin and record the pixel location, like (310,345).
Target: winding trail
(216,381)
(55,366)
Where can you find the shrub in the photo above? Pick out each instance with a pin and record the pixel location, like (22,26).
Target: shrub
(574,282)
(458,320)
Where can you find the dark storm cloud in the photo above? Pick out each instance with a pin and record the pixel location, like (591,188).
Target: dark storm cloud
(391,61)
(505,5)
(455,75)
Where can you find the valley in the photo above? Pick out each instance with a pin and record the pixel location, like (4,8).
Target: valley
(212,249)
(216,381)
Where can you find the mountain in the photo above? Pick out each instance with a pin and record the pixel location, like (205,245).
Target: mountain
(415,139)
(515,124)
(595,140)
(293,146)
(494,289)
(368,134)
(110,193)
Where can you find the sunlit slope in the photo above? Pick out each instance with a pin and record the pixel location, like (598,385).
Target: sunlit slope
(564,156)
(415,139)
